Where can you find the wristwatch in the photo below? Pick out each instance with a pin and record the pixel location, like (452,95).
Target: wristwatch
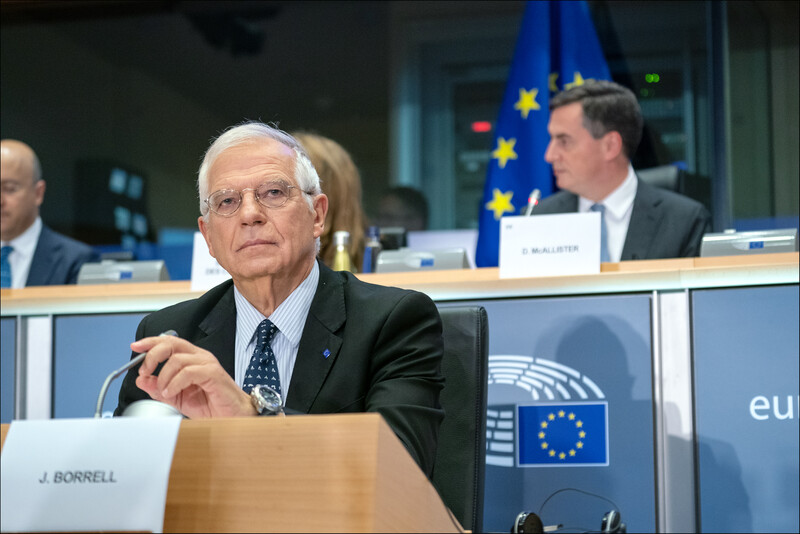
(266,400)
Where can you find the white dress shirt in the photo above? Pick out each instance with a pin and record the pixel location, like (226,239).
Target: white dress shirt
(619,205)
(21,257)
(290,318)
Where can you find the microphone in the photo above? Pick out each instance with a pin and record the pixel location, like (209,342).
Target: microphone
(527,522)
(612,523)
(530,523)
(134,362)
(533,201)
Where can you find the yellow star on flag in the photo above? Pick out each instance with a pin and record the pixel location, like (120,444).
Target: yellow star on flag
(527,101)
(504,151)
(576,81)
(551,79)
(501,203)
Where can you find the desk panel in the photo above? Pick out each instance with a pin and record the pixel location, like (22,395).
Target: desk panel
(8,349)
(746,403)
(566,355)
(86,349)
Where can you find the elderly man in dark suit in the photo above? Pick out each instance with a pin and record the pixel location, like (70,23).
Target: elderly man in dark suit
(32,253)
(595,129)
(327,342)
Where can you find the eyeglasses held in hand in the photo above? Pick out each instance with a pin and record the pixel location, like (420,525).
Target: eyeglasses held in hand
(226,202)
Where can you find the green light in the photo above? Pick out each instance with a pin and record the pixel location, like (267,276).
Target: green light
(656,78)
(648,78)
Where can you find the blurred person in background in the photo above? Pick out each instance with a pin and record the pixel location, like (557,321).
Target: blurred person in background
(403,207)
(341,182)
(32,253)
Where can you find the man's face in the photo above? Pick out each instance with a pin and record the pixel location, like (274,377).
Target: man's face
(577,157)
(257,241)
(20,197)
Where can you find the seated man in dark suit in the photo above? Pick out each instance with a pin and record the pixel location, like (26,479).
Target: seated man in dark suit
(327,342)
(595,129)
(32,253)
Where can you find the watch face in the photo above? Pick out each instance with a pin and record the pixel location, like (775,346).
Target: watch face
(271,399)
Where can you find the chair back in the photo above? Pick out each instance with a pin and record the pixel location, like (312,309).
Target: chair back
(461,456)
(666,177)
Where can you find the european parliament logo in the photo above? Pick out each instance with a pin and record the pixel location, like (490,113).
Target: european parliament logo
(565,425)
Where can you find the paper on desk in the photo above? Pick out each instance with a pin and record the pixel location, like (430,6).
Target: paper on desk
(206,271)
(86,474)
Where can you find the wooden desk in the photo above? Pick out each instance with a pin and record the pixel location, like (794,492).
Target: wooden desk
(630,276)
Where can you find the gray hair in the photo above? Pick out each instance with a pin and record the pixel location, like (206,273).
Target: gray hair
(248,132)
(607,107)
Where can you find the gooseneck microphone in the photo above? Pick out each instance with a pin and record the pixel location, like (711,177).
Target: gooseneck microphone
(136,360)
(533,201)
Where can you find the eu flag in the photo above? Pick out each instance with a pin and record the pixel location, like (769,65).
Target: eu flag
(563,434)
(557,48)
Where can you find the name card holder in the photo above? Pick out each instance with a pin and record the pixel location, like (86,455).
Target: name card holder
(88,475)
(550,245)
(206,271)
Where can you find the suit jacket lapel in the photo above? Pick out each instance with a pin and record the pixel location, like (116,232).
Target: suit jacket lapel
(45,258)
(320,343)
(219,328)
(645,219)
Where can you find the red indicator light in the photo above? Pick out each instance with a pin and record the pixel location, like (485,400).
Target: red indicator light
(481,126)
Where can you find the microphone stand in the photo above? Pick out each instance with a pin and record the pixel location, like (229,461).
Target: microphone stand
(110,378)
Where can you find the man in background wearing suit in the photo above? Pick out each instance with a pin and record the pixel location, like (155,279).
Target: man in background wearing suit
(327,342)
(595,129)
(32,253)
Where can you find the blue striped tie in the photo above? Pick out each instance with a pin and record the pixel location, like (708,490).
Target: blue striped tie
(5,267)
(263,368)
(604,258)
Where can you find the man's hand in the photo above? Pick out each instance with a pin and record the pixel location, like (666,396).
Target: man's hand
(192,379)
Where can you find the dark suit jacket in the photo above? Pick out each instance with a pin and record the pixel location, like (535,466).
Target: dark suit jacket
(663,224)
(57,259)
(385,349)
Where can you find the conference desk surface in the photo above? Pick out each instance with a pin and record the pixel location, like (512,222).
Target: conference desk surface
(655,313)
(623,277)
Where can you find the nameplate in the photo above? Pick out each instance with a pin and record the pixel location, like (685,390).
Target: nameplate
(206,271)
(86,474)
(550,245)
